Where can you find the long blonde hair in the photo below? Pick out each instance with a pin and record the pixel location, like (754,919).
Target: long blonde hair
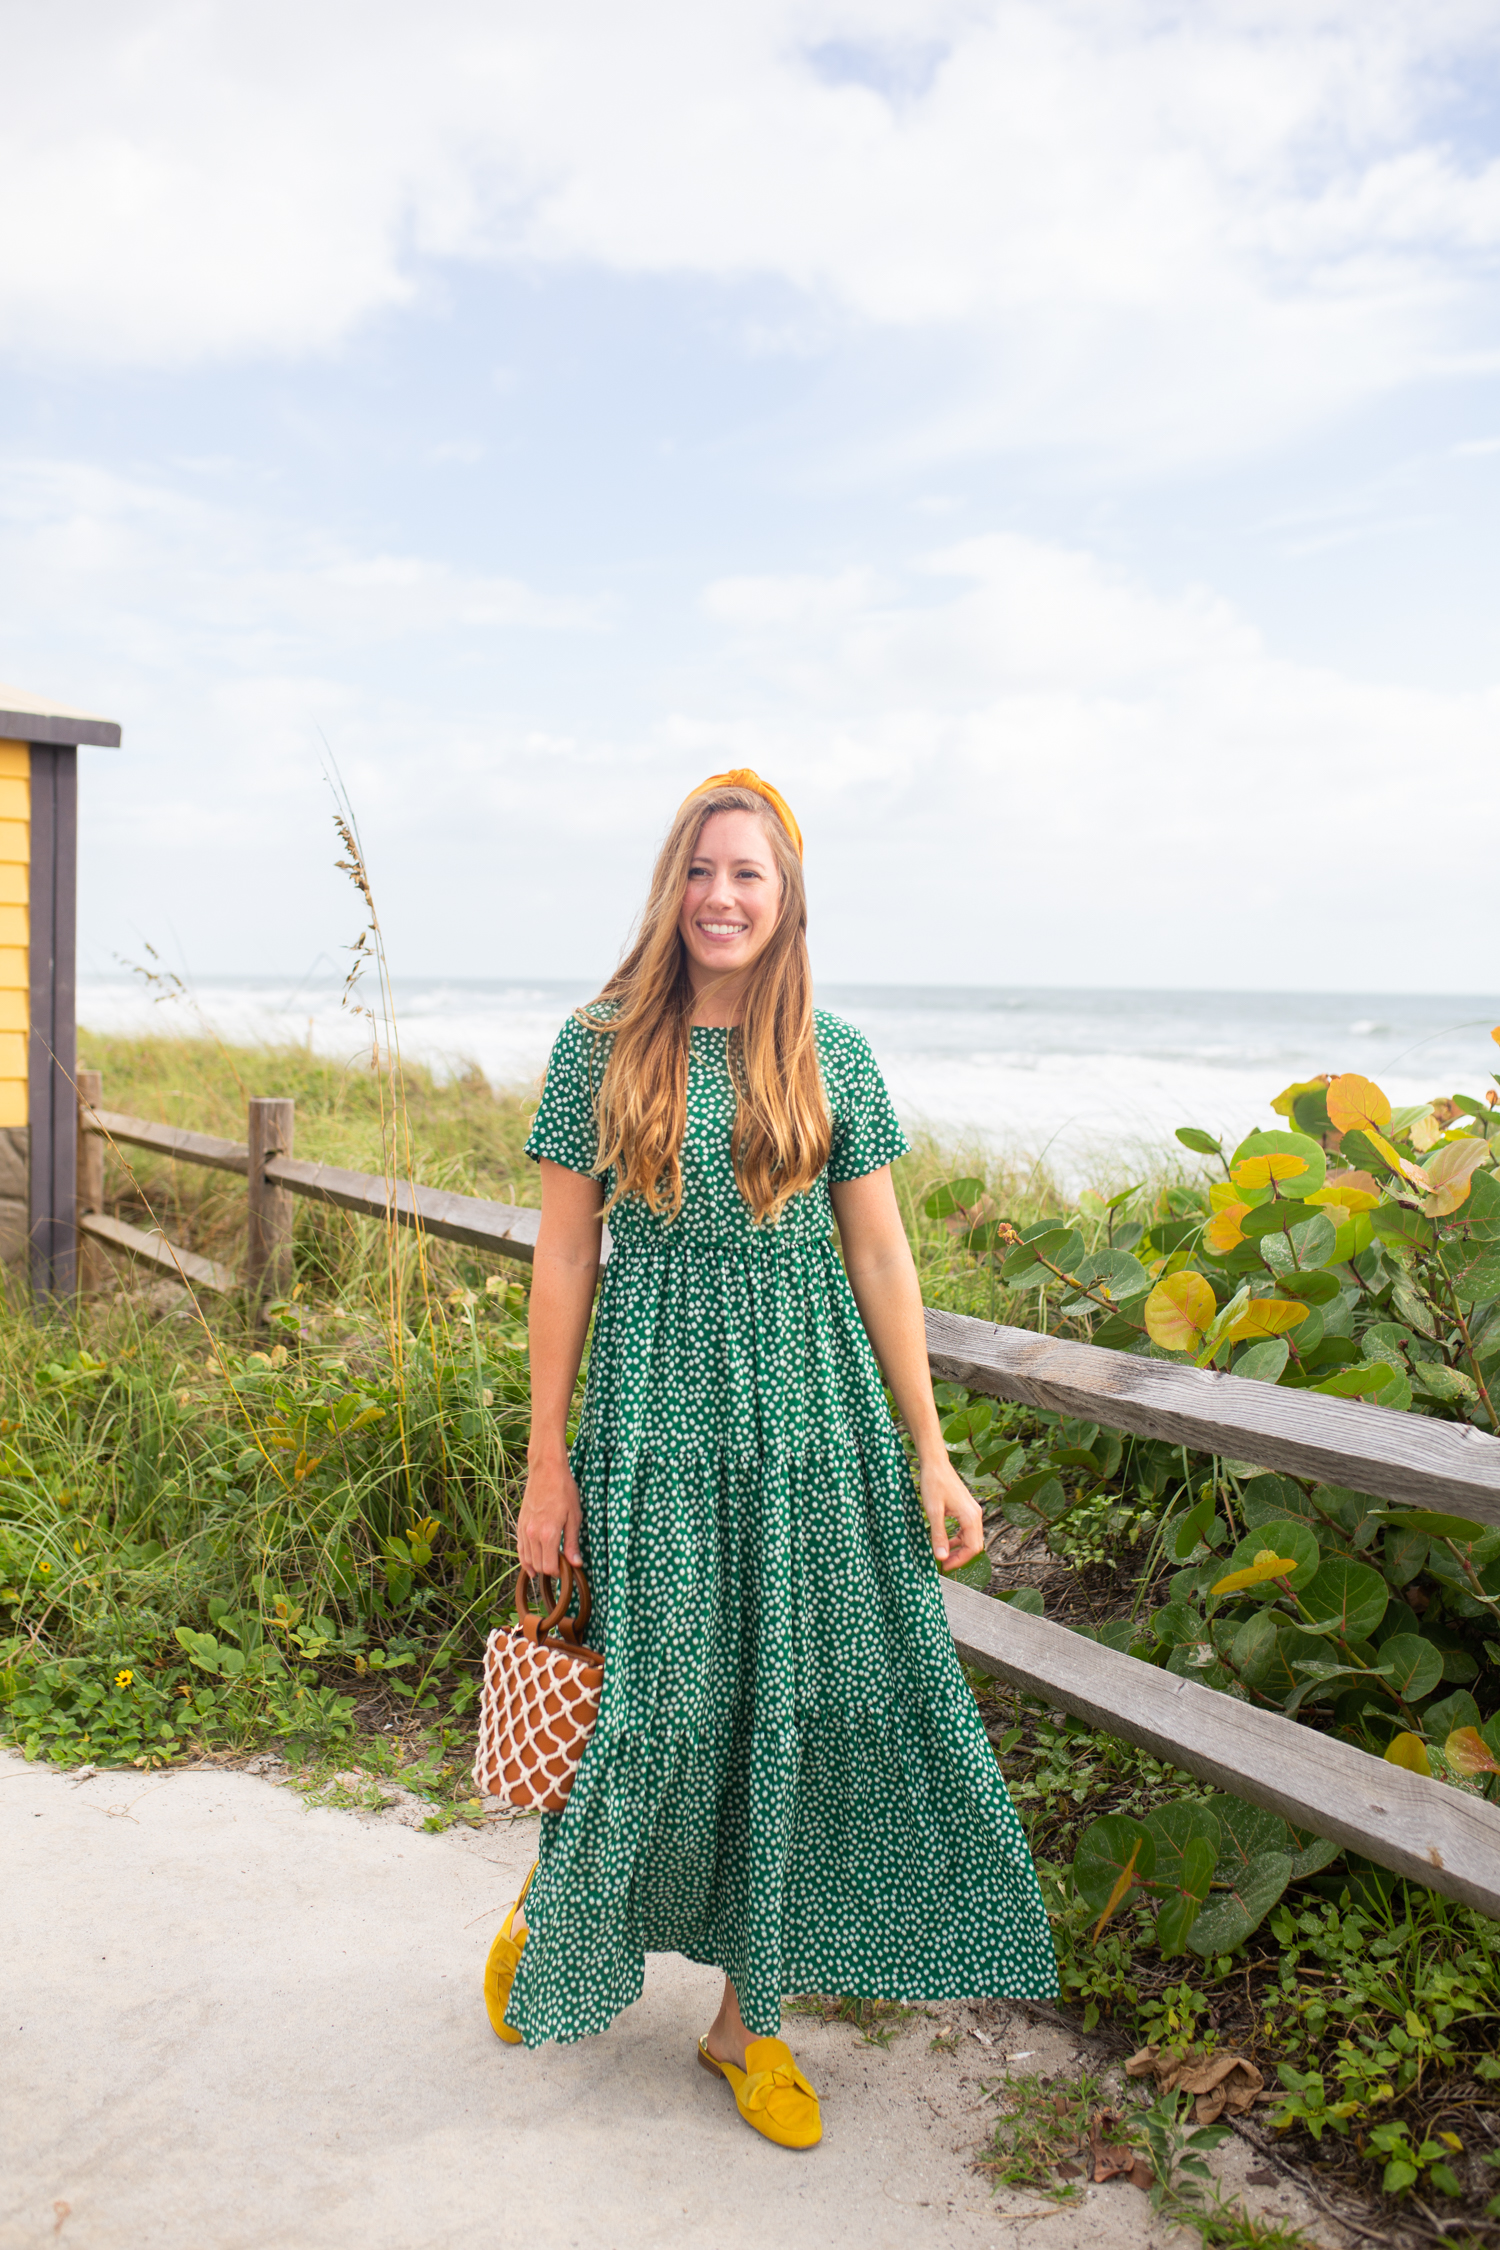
(782,1129)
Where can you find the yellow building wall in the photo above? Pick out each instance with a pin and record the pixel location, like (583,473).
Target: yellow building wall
(15,930)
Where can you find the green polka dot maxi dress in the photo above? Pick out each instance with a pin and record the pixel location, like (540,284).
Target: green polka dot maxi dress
(789,1780)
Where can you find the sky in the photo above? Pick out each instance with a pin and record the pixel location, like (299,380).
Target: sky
(1056,441)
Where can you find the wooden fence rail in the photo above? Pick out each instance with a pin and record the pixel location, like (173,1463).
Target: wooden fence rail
(1418,1828)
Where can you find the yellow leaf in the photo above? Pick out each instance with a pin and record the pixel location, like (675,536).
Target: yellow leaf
(1449,1172)
(1178,1311)
(1348,1191)
(1266,1316)
(1286,1099)
(1410,1751)
(1356,1102)
(1467,1750)
(1224,1231)
(1266,1565)
(1123,1882)
(1267,1171)
(1398,1163)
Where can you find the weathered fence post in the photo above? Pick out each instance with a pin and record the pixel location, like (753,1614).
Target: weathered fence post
(268,1257)
(93,1268)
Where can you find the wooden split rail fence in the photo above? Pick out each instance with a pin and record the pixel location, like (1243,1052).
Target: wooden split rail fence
(1419,1828)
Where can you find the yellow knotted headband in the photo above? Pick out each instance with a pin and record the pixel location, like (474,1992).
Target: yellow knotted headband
(744,778)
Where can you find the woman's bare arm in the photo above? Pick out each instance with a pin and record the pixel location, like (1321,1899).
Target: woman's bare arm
(562,1296)
(878,1261)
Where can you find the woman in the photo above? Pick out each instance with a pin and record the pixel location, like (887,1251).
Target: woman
(788,1780)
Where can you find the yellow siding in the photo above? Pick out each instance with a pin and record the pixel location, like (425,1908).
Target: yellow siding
(15,934)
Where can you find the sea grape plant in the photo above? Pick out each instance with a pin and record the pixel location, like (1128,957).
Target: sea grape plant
(1354,1251)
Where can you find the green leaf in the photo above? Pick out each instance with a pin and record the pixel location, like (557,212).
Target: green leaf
(1036,1498)
(1374,1379)
(1403,1555)
(1104,1852)
(1349,1595)
(1412,1665)
(1174,1829)
(1477,1279)
(1252,1652)
(955,1199)
(1114,1272)
(1229,1917)
(1310,1114)
(1178,1624)
(1276,1218)
(1450,1385)
(1457,1528)
(1027,1598)
(1191,1530)
(1186,1887)
(1316,1288)
(1262,1363)
(1265,1499)
(1189,1661)
(1458,1710)
(977,1572)
(1284,1535)
(1170,1234)
(203,1650)
(1062,1246)
(1310,1853)
(1246,1832)
(1201,1143)
(1358,1151)
(1402,1228)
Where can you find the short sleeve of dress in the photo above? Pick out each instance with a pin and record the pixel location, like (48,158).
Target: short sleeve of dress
(866,1134)
(565,1129)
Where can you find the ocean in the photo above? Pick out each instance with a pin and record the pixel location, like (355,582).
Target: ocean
(1090,1080)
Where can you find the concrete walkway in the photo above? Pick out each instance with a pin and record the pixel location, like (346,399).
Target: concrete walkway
(234,2022)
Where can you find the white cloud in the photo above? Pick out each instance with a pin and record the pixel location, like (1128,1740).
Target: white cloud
(1193,229)
(1014,763)
(1062,775)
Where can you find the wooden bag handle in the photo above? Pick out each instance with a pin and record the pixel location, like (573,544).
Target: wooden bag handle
(568,1628)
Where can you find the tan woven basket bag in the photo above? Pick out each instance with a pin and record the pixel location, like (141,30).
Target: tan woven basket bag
(540,1700)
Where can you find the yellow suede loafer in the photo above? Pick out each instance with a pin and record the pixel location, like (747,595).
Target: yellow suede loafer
(771,2093)
(500,1971)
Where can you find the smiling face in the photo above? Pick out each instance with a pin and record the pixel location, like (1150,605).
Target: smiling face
(733,897)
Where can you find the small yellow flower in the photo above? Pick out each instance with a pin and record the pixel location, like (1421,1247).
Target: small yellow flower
(124,1679)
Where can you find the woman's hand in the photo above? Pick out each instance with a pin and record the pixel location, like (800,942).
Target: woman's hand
(550,1520)
(945,1494)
